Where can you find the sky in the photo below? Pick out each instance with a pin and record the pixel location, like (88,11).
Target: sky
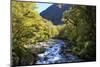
(42,6)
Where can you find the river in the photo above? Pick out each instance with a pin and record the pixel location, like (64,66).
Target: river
(57,53)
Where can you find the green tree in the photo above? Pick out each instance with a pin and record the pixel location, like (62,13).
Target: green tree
(28,28)
(81,30)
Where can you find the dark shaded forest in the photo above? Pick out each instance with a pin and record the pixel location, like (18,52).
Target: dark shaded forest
(29,28)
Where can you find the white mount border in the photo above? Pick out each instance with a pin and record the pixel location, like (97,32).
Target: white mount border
(82,2)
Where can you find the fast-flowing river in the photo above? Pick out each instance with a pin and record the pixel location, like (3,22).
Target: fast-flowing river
(57,53)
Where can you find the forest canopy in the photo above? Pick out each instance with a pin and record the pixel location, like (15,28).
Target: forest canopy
(81,30)
(28,27)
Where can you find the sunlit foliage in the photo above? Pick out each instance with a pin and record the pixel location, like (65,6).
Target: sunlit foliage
(28,27)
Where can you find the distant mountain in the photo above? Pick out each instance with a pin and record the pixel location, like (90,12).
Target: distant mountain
(54,13)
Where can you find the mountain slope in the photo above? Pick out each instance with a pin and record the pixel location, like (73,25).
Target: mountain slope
(54,13)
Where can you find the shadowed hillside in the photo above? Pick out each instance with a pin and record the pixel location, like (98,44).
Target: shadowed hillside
(55,12)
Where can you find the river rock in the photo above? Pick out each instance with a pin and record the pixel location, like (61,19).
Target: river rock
(57,53)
